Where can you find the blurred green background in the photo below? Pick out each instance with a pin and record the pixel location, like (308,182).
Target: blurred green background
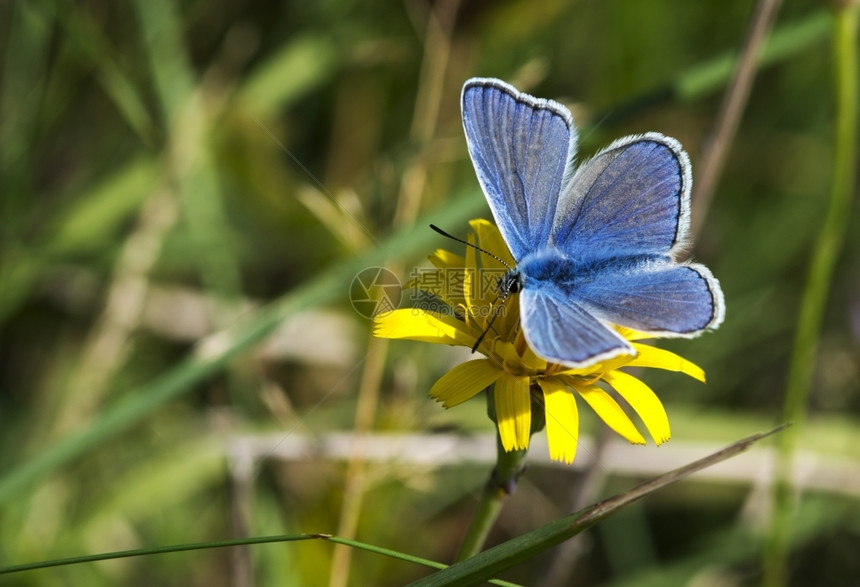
(167,169)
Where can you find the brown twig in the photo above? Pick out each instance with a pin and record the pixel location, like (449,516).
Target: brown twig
(734,101)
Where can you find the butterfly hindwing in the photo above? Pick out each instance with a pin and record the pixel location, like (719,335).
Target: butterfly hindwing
(632,198)
(562,331)
(522,149)
(662,298)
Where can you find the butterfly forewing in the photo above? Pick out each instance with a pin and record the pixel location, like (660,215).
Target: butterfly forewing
(630,199)
(521,148)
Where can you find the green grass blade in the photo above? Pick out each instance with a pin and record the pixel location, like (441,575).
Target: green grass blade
(22,87)
(501,557)
(292,72)
(95,215)
(93,46)
(190,126)
(216,351)
(818,283)
(87,224)
(786,42)
(162,32)
(77,560)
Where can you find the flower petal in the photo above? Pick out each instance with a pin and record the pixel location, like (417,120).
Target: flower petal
(442,259)
(490,239)
(614,363)
(513,411)
(609,411)
(532,363)
(562,419)
(506,351)
(464,381)
(657,358)
(422,325)
(644,401)
(469,274)
(507,315)
(631,334)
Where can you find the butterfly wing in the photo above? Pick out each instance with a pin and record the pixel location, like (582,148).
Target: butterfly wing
(522,149)
(662,298)
(622,218)
(631,199)
(562,331)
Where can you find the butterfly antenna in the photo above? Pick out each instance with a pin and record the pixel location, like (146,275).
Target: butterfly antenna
(504,296)
(483,335)
(468,244)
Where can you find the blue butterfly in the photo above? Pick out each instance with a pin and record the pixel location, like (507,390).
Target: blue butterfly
(595,245)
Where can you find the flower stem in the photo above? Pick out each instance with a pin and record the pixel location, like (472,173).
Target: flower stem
(502,483)
(824,258)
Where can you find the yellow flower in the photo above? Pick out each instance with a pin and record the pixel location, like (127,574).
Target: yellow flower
(468,287)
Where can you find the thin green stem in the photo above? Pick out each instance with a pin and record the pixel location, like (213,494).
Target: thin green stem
(501,484)
(488,511)
(824,258)
(76,560)
(503,480)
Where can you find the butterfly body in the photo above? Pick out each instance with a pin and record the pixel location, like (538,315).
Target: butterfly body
(546,265)
(550,266)
(595,245)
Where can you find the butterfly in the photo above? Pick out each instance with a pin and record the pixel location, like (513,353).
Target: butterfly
(596,244)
